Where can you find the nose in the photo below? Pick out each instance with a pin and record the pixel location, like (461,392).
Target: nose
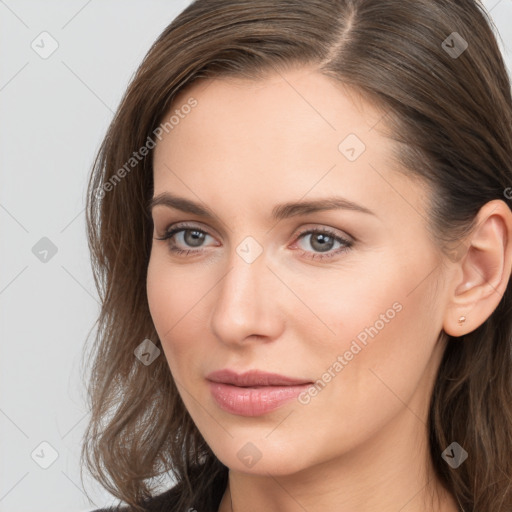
(247,303)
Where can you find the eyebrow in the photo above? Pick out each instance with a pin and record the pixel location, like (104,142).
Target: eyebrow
(279,212)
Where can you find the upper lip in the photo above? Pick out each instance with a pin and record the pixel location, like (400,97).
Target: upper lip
(253,378)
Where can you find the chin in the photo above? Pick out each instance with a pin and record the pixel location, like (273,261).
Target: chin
(260,457)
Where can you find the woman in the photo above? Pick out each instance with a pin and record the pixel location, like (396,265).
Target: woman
(301,231)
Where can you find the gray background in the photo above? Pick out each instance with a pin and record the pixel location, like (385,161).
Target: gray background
(54,112)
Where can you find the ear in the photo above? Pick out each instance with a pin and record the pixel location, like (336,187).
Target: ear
(482,270)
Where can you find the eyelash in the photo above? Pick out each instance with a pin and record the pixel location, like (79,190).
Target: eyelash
(317,256)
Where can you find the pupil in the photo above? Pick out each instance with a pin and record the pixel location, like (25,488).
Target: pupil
(196,238)
(323,240)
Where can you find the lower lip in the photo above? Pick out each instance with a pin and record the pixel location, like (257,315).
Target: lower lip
(253,401)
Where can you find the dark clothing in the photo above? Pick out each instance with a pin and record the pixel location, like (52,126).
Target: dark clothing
(167,501)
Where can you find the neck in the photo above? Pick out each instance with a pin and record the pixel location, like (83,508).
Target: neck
(397,478)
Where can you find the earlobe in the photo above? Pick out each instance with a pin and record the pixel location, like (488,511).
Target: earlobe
(483,271)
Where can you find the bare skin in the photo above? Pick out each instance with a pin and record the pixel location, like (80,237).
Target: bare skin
(360,444)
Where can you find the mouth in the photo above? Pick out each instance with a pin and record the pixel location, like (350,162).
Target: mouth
(253,393)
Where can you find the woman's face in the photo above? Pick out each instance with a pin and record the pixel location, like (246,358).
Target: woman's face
(347,298)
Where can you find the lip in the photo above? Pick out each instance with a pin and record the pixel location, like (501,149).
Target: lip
(254,392)
(253,378)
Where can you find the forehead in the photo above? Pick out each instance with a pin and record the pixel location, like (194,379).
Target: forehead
(302,100)
(292,133)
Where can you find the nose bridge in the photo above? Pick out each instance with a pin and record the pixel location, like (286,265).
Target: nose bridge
(244,304)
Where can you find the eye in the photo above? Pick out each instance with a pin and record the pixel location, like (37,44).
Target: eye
(192,239)
(188,236)
(323,240)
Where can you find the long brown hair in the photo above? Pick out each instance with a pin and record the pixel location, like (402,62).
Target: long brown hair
(449,109)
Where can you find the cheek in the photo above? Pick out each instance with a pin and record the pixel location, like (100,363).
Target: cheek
(385,303)
(162,299)
(175,299)
(354,303)
(386,329)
